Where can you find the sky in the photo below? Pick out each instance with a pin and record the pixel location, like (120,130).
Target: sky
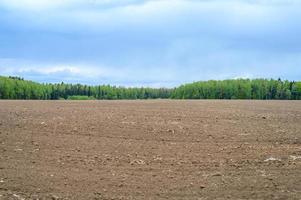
(149,43)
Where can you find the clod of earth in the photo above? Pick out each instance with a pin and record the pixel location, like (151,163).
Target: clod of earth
(137,161)
(272,159)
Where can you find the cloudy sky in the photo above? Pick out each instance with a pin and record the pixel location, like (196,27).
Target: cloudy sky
(149,43)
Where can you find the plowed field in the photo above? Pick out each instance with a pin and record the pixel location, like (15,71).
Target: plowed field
(153,149)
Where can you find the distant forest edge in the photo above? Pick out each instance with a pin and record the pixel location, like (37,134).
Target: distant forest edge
(18,88)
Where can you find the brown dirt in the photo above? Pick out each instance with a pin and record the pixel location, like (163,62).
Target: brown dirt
(156,149)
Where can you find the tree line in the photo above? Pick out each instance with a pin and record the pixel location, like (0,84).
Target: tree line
(240,89)
(18,88)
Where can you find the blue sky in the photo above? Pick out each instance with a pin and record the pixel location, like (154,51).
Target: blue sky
(159,43)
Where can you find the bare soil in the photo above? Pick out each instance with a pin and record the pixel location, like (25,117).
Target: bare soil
(154,149)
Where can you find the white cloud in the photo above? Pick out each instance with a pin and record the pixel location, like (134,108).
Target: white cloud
(60,69)
(25,67)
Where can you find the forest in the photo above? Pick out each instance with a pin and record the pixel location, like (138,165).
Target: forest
(18,88)
(240,89)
